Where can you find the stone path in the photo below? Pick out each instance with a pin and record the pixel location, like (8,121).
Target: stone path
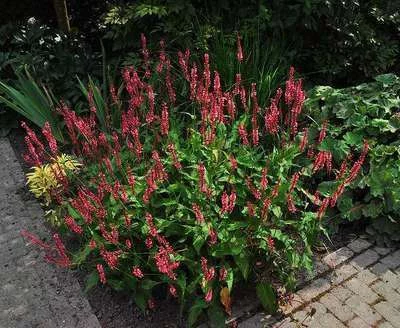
(356,286)
(33,293)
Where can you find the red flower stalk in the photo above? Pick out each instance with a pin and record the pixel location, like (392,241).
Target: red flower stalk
(338,192)
(317,200)
(209,295)
(111,257)
(137,272)
(172,151)
(72,225)
(162,57)
(149,242)
(170,86)
(230,106)
(233,162)
(165,264)
(323,158)
(293,183)
(183,60)
(243,98)
(50,138)
(273,113)
(238,81)
(228,202)
(63,259)
(264,179)
(172,290)
(131,178)
(151,304)
(164,119)
(34,239)
(202,180)
(206,72)
(222,274)
(323,207)
(146,55)
(92,244)
(208,272)
(254,131)
(193,81)
(212,234)
(112,236)
(357,165)
(151,98)
(243,134)
(304,139)
(128,243)
(271,244)
(265,207)
(128,220)
(34,139)
(322,133)
(250,209)
(150,223)
(32,157)
(113,93)
(102,275)
(255,192)
(290,204)
(239,53)
(197,212)
(343,168)
(275,191)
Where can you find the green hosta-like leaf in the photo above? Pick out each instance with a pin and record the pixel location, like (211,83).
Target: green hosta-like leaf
(242,261)
(267,296)
(91,281)
(216,316)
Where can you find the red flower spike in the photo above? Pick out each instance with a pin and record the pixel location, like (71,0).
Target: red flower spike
(137,272)
(239,53)
(102,276)
(172,291)
(209,295)
(50,138)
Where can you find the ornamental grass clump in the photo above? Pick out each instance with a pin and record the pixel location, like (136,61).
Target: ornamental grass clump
(193,188)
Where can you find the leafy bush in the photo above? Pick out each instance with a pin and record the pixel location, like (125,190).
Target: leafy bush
(368,111)
(198,190)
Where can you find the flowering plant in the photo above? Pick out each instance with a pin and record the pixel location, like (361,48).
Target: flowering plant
(198,189)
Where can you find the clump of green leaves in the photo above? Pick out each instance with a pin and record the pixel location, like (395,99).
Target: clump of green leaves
(368,111)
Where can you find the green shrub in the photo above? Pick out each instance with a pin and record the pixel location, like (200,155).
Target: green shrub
(198,190)
(368,111)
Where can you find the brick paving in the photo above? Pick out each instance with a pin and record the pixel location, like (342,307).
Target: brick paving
(33,293)
(360,289)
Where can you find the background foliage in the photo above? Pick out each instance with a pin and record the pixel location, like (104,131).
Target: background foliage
(368,111)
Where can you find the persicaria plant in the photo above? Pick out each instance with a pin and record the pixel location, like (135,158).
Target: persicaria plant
(190,187)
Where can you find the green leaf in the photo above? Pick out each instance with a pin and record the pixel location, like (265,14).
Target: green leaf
(91,281)
(216,316)
(242,261)
(267,296)
(195,311)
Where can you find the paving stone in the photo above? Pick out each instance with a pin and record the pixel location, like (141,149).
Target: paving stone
(379,269)
(357,322)
(344,272)
(327,321)
(385,324)
(341,293)
(389,313)
(293,305)
(392,260)
(382,250)
(359,245)
(338,257)
(366,276)
(286,323)
(362,290)
(363,310)
(257,321)
(391,279)
(342,311)
(387,292)
(365,259)
(319,268)
(313,290)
